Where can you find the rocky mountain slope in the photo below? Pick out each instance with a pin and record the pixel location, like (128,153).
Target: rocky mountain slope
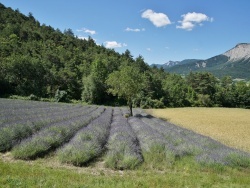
(240,51)
(234,63)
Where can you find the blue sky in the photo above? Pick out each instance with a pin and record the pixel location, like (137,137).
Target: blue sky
(159,30)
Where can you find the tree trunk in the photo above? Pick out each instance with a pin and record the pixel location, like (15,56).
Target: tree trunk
(130,108)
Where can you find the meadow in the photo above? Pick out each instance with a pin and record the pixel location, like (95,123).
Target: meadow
(66,145)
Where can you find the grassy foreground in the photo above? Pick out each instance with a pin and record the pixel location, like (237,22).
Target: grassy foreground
(231,126)
(184,173)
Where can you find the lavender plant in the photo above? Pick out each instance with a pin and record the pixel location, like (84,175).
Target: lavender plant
(13,133)
(155,149)
(88,143)
(124,151)
(204,149)
(53,136)
(175,136)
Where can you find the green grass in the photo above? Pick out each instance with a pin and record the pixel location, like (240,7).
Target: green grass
(183,173)
(121,161)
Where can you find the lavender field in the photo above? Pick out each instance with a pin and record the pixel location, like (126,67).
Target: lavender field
(78,134)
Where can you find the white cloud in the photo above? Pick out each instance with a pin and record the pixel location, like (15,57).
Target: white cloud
(83,38)
(86,38)
(158,19)
(149,49)
(92,32)
(134,30)
(190,20)
(114,44)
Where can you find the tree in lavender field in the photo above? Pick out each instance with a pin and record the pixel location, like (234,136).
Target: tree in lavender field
(126,83)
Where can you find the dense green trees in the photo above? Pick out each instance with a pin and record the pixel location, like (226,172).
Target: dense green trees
(41,61)
(177,92)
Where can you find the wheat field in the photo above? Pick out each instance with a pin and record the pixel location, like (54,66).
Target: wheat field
(229,126)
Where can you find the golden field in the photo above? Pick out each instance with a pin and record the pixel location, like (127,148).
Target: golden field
(227,125)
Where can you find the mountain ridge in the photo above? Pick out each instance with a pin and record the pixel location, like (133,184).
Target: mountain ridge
(234,62)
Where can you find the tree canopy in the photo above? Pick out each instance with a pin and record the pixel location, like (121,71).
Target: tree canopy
(126,83)
(38,60)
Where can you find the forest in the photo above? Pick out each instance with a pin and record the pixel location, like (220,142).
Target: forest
(43,63)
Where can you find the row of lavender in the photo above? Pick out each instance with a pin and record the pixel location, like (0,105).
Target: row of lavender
(21,122)
(34,129)
(53,135)
(78,134)
(124,151)
(180,142)
(88,143)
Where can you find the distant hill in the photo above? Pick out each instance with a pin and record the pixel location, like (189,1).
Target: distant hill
(234,62)
(170,64)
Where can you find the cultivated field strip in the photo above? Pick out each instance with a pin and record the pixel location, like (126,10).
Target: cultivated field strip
(123,147)
(147,136)
(187,142)
(17,113)
(175,137)
(53,136)
(36,115)
(17,104)
(7,107)
(89,142)
(78,134)
(15,131)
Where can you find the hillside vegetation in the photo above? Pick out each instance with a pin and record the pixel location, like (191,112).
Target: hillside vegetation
(41,63)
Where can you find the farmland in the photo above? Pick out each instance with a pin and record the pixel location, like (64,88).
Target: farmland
(102,140)
(231,126)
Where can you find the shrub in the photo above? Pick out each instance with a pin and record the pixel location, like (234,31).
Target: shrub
(33,97)
(151,103)
(61,96)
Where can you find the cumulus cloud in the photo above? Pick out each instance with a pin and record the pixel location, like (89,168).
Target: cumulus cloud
(114,44)
(190,20)
(85,30)
(83,38)
(86,38)
(158,19)
(92,32)
(134,30)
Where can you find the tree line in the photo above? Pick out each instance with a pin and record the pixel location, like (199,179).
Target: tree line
(44,62)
